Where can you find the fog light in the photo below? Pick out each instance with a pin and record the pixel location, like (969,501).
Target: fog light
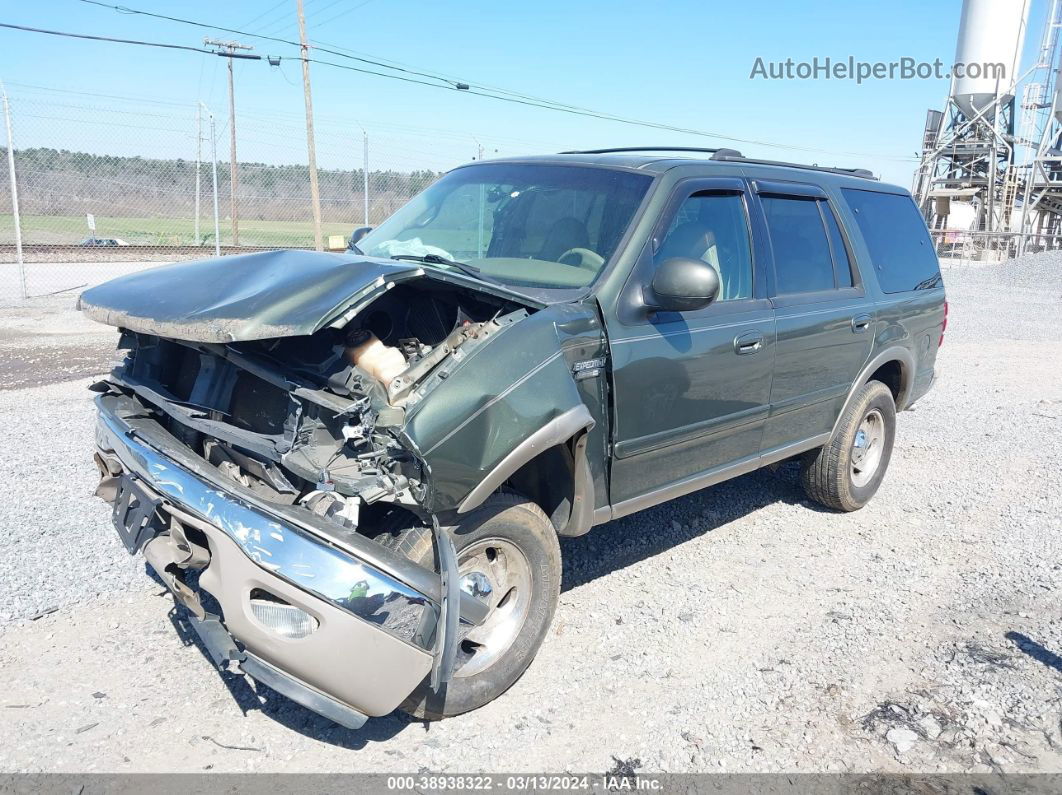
(285,620)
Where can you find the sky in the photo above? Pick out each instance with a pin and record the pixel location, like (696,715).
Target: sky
(685,63)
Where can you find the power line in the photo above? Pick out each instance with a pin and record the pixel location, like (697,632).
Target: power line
(284,21)
(493,93)
(266,13)
(450,85)
(117,41)
(289,42)
(139,113)
(103,96)
(277,117)
(105,122)
(336,50)
(346,52)
(612,118)
(342,13)
(278,25)
(333,3)
(510,96)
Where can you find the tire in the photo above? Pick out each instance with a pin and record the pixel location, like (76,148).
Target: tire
(523,538)
(847,471)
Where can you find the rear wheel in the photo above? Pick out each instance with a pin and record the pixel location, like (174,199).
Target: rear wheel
(508,556)
(847,471)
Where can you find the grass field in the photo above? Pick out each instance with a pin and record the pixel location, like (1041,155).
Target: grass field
(70,229)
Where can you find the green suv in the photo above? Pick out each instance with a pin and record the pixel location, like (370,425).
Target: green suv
(353,469)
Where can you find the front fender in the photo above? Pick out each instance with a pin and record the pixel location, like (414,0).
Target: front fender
(557,431)
(514,397)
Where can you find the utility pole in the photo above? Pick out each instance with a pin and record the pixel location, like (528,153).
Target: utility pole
(482,201)
(227,49)
(214,176)
(365,172)
(14,195)
(315,196)
(198,160)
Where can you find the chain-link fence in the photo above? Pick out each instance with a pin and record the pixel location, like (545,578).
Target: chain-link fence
(965,247)
(108,185)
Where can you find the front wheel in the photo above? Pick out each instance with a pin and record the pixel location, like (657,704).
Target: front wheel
(847,471)
(508,556)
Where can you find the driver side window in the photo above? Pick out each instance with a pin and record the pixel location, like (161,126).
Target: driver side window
(713,228)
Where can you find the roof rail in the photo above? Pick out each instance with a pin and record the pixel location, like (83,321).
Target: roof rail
(864,173)
(717,154)
(731,155)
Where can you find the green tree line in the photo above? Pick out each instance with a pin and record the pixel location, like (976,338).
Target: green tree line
(63,182)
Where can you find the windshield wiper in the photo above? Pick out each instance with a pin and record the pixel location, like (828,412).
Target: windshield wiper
(436,259)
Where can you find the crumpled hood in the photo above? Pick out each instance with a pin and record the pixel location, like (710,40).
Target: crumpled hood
(252,296)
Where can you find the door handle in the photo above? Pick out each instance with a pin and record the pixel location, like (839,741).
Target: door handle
(861,323)
(749,342)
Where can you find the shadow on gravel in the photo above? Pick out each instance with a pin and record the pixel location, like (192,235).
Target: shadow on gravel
(642,535)
(284,711)
(1035,650)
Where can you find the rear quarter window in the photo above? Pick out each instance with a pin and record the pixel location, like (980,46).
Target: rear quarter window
(896,236)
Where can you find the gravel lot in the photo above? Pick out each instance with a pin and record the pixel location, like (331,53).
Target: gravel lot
(739,629)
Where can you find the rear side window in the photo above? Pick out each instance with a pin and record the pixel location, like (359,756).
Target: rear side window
(802,258)
(897,238)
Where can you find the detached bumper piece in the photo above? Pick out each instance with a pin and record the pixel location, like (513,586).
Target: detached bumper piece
(223,650)
(330,630)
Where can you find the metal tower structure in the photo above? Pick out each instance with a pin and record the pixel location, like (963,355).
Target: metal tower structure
(1041,137)
(971,155)
(970,162)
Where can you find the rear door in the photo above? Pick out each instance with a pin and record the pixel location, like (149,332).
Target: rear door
(823,321)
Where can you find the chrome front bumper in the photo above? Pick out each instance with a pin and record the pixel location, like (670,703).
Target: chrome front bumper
(372,644)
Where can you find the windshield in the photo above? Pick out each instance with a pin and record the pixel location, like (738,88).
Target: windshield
(533,225)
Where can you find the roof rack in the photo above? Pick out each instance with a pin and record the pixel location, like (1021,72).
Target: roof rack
(864,173)
(717,154)
(730,155)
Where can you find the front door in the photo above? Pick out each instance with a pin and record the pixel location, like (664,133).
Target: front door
(692,389)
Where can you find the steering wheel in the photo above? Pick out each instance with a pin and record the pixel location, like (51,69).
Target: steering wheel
(588,259)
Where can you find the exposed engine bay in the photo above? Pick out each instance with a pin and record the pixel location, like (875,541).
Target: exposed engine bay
(316,421)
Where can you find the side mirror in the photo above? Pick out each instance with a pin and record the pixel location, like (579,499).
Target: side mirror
(357,235)
(683,284)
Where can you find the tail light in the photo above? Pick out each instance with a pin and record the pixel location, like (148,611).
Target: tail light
(944,325)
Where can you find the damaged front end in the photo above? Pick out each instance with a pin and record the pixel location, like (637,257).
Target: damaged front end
(268,464)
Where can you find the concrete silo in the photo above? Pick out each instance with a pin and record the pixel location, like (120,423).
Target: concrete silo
(991,32)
